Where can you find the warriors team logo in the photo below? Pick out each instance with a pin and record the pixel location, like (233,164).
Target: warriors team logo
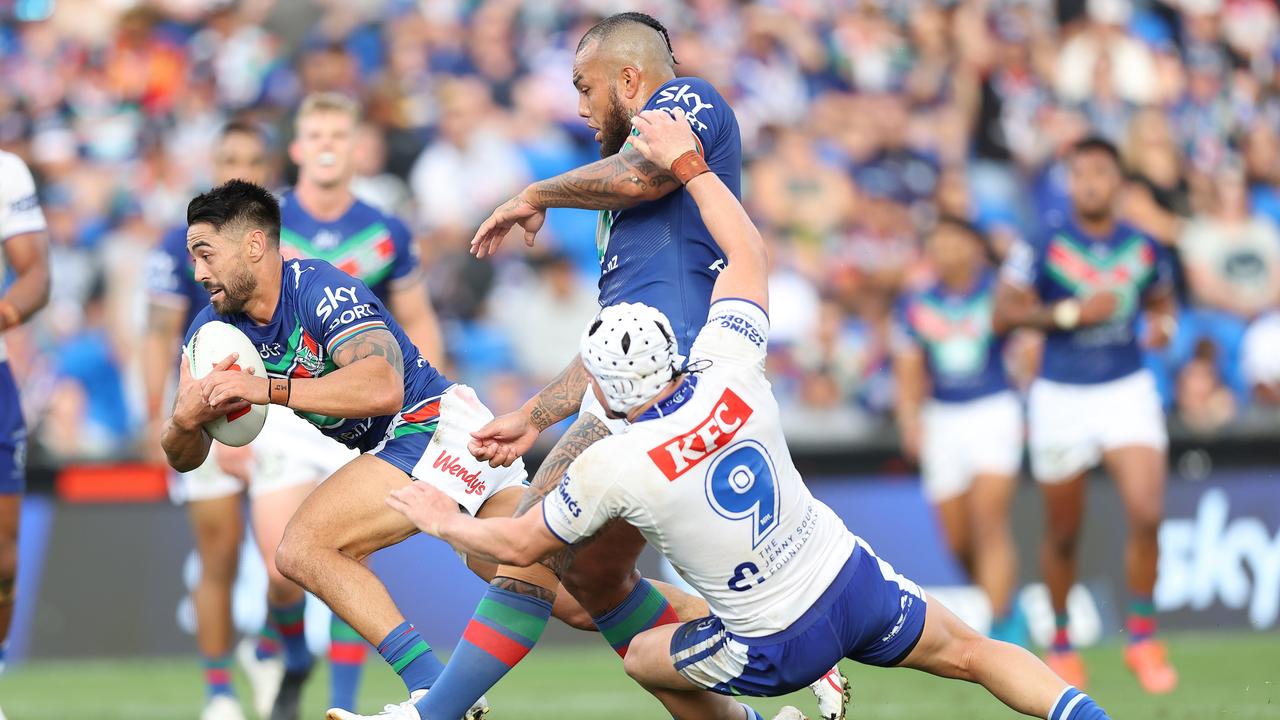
(309,361)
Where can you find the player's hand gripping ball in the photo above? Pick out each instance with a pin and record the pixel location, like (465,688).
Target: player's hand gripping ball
(245,380)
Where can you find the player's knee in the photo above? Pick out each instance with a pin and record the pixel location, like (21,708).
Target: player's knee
(1144,523)
(8,559)
(599,588)
(291,560)
(1061,541)
(642,653)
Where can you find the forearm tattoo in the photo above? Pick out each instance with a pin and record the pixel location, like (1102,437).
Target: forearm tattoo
(371,343)
(561,398)
(608,184)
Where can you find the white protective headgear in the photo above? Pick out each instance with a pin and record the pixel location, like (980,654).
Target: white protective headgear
(632,353)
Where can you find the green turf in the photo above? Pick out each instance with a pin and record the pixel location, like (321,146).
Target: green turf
(1223,676)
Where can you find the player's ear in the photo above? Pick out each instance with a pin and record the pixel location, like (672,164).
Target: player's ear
(256,244)
(630,82)
(295,152)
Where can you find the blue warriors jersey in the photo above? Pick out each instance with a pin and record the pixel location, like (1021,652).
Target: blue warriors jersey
(364,243)
(171,277)
(320,308)
(1068,263)
(659,252)
(964,357)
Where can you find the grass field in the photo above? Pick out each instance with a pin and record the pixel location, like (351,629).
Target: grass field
(1223,676)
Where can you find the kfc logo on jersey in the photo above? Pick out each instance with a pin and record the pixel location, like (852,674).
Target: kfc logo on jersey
(449,465)
(691,101)
(332,299)
(676,456)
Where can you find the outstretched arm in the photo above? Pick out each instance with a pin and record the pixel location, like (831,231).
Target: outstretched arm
(520,541)
(506,438)
(617,182)
(667,140)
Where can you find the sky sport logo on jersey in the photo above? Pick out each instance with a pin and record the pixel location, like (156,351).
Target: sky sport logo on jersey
(449,465)
(676,456)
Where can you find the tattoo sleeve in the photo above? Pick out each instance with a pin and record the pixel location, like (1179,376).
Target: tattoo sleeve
(371,343)
(585,432)
(614,183)
(561,397)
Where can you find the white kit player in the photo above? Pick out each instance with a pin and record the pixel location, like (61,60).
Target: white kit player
(704,473)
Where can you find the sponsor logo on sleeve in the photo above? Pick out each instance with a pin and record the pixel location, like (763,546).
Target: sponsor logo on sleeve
(741,325)
(23,204)
(676,456)
(691,101)
(567,500)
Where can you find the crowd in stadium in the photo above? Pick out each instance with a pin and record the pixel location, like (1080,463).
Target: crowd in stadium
(862,121)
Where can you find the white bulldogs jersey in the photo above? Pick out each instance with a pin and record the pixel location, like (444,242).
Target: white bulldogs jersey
(712,486)
(19,208)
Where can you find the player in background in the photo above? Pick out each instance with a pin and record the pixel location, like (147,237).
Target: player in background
(212,492)
(322,219)
(653,248)
(705,473)
(24,249)
(959,416)
(1085,285)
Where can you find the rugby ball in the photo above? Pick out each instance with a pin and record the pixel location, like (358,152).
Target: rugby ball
(213,342)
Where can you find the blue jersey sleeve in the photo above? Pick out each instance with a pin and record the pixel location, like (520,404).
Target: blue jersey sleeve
(708,112)
(903,333)
(167,274)
(1022,267)
(336,306)
(1162,276)
(406,263)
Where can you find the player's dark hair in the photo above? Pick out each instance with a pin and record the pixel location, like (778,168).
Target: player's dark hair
(243,127)
(606,27)
(237,202)
(975,233)
(1096,143)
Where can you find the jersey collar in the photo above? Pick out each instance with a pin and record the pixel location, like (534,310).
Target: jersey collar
(672,402)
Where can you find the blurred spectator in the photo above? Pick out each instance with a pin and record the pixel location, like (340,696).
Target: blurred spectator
(544,316)
(471,168)
(1205,404)
(1232,260)
(372,183)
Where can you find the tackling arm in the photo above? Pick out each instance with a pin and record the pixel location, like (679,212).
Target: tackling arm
(663,139)
(520,541)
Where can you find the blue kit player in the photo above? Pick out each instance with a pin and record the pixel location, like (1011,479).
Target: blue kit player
(24,250)
(959,416)
(1087,284)
(336,357)
(653,248)
(704,472)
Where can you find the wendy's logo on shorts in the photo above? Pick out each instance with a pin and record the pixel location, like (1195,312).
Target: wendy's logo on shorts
(449,465)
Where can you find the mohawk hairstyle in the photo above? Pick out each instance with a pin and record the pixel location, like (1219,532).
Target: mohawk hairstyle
(606,27)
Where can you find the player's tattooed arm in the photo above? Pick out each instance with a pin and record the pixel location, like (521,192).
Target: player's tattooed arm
(369,381)
(372,343)
(617,182)
(561,397)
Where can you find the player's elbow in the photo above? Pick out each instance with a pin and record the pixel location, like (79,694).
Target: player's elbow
(390,397)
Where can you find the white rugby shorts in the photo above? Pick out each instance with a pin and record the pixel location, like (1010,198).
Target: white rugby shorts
(962,440)
(1071,426)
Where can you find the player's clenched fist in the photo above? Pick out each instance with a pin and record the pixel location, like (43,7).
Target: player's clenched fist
(424,505)
(228,384)
(663,136)
(192,407)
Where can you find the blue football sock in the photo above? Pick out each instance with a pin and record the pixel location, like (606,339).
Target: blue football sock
(411,657)
(504,629)
(289,620)
(1075,705)
(752,713)
(347,651)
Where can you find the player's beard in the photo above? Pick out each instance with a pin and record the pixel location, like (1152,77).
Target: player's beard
(616,127)
(237,290)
